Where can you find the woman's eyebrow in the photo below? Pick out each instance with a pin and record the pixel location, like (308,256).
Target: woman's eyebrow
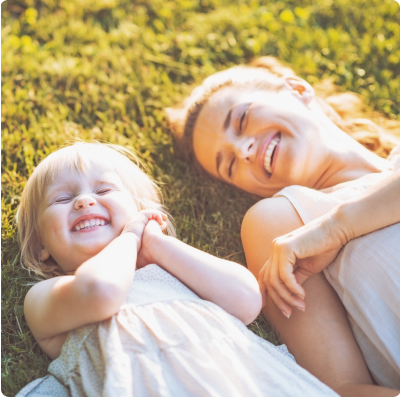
(228,119)
(218,162)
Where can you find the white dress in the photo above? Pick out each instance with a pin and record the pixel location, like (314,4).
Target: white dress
(166,341)
(366,276)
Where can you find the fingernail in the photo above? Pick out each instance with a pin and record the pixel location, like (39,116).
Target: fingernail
(301,309)
(286,315)
(301,296)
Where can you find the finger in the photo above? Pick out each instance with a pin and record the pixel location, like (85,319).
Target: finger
(301,275)
(283,291)
(286,274)
(286,262)
(264,298)
(261,275)
(284,307)
(261,284)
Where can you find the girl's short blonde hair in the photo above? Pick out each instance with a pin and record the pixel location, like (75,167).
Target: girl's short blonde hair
(77,157)
(344,109)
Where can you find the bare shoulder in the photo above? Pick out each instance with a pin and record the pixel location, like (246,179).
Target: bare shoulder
(263,222)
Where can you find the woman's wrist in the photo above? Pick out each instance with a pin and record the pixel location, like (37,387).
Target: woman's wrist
(343,219)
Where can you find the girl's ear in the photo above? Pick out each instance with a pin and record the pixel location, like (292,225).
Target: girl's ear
(300,88)
(44,254)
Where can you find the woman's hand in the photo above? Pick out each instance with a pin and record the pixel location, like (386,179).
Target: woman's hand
(138,223)
(298,255)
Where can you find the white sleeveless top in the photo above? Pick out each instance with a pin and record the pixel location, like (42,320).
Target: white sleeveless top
(366,276)
(165,341)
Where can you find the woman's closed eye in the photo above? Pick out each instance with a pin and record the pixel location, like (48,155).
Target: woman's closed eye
(243,118)
(230,167)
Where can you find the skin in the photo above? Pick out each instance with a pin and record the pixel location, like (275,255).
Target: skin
(315,153)
(320,338)
(308,250)
(100,262)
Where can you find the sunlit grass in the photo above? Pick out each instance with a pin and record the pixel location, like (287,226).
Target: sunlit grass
(105,69)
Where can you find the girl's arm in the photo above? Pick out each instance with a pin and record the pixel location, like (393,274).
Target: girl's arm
(227,284)
(95,292)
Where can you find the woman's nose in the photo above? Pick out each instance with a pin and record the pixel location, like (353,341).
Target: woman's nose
(246,149)
(84,201)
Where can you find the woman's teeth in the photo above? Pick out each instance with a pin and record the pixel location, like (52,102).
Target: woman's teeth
(269,153)
(89,223)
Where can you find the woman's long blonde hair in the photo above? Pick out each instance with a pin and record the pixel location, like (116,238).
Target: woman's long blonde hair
(76,157)
(346,110)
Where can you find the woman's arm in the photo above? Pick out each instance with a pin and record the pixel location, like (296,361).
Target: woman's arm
(300,254)
(225,283)
(373,209)
(95,292)
(320,338)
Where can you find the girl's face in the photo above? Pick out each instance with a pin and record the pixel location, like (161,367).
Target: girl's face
(82,213)
(260,140)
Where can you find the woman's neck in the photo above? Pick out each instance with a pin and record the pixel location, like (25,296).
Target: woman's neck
(347,159)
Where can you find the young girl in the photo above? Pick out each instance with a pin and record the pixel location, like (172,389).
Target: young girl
(88,219)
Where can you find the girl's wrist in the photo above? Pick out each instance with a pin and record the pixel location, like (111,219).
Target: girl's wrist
(156,249)
(133,237)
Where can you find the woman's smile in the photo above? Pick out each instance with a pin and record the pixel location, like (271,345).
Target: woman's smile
(268,154)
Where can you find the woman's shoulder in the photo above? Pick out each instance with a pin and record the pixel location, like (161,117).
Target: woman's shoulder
(263,222)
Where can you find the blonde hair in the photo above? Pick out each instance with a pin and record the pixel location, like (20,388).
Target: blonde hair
(77,157)
(344,109)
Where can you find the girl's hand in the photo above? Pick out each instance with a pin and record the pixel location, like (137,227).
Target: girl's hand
(138,223)
(150,243)
(297,256)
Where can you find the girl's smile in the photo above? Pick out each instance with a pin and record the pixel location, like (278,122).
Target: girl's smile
(82,213)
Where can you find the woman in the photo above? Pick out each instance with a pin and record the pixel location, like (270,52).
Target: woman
(262,129)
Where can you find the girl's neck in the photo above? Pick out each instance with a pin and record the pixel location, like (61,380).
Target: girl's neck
(347,159)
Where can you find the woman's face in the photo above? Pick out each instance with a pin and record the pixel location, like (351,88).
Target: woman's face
(261,140)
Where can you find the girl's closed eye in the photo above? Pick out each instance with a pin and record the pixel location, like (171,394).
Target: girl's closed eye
(62,200)
(103,191)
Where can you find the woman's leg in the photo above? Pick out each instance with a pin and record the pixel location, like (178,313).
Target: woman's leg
(320,338)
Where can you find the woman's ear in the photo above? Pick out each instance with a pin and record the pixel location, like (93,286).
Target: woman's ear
(300,88)
(176,118)
(44,254)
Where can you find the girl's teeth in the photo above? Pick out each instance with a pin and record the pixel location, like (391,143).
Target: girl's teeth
(89,224)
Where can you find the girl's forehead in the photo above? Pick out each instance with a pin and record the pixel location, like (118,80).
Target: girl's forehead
(89,168)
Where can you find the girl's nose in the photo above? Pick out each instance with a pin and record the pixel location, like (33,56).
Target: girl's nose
(84,201)
(247,150)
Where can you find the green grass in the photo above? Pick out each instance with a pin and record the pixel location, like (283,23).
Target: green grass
(105,69)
